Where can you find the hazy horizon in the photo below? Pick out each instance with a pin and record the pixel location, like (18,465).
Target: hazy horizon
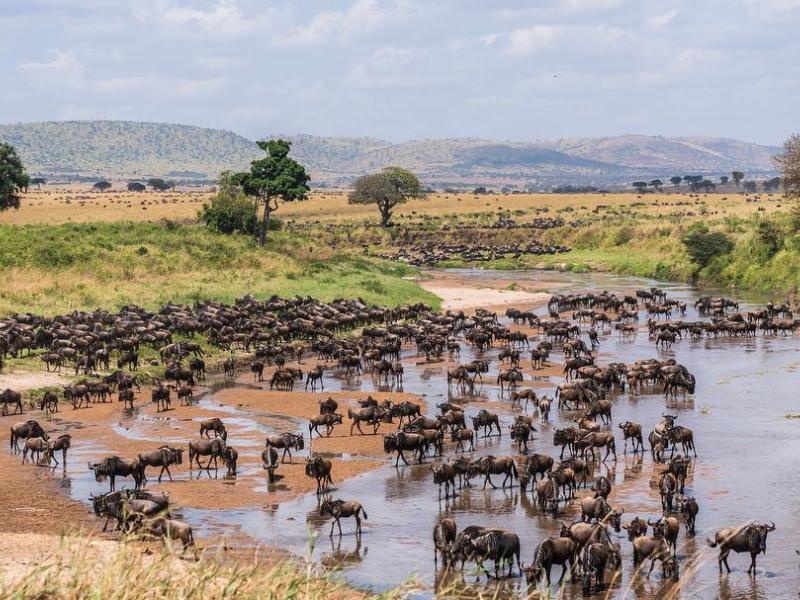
(404,70)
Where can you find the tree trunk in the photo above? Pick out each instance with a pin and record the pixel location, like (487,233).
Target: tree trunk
(255,219)
(262,231)
(386,215)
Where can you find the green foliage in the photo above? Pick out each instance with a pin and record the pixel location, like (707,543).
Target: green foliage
(703,245)
(387,189)
(136,186)
(230,210)
(272,179)
(160,185)
(737,176)
(13,178)
(102,185)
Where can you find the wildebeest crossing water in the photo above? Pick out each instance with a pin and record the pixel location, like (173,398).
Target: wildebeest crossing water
(747,455)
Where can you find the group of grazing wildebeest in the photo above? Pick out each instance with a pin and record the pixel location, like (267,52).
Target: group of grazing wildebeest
(277,331)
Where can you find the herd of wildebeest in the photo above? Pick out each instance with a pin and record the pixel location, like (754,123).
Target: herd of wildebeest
(354,339)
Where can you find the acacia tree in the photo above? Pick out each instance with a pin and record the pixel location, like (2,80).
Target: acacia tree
(102,185)
(788,162)
(13,178)
(136,186)
(676,180)
(738,176)
(387,189)
(271,180)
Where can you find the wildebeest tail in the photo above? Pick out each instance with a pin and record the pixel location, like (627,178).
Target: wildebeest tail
(363,512)
(514,469)
(710,543)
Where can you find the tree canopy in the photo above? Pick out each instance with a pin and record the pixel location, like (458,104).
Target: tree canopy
(136,186)
(13,178)
(160,185)
(788,162)
(102,185)
(273,179)
(737,176)
(230,210)
(386,189)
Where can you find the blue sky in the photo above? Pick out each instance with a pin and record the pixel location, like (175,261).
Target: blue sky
(410,69)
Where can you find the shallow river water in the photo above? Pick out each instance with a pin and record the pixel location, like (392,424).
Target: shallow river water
(748,458)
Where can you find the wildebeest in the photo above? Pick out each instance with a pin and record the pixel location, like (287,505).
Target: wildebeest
(213,448)
(216,425)
(24,430)
(320,469)
(463,435)
(486,421)
(339,508)
(328,406)
(683,436)
(401,440)
(372,415)
(328,420)
(596,439)
(632,431)
(163,457)
(63,442)
(7,397)
(231,457)
(750,538)
(270,459)
(287,441)
(490,465)
(689,508)
(637,527)
(444,534)
(170,530)
(114,466)
(655,548)
(314,376)
(36,445)
(497,545)
(49,402)
(667,488)
(445,474)
(552,551)
(596,557)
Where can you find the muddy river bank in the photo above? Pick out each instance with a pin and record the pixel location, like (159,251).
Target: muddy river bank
(748,450)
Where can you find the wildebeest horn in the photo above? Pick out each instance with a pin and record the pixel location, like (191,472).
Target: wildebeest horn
(772,526)
(91,466)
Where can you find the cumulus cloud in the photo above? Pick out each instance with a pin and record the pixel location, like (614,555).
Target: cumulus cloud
(661,20)
(523,42)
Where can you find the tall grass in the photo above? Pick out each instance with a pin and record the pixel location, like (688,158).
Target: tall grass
(50,269)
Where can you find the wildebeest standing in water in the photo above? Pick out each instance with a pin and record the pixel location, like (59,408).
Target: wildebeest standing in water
(339,509)
(113,467)
(750,538)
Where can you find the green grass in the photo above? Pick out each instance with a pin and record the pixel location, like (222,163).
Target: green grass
(51,269)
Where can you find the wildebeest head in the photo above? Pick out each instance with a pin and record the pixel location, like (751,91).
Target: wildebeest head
(390,442)
(615,519)
(636,528)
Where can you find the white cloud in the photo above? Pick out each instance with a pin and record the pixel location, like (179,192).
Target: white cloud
(363,17)
(61,61)
(662,20)
(771,8)
(523,42)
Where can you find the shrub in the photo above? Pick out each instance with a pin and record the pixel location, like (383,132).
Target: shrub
(703,245)
(229,211)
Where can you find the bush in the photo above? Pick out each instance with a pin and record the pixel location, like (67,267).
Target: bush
(229,211)
(703,245)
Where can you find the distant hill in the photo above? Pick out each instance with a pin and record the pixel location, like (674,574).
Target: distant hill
(128,149)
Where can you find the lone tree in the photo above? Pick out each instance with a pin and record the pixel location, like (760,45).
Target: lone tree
(724,179)
(657,183)
(788,162)
(387,189)
(640,186)
(102,185)
(676,180)
(136,186)
(160,185)
(13,178)
(738,176)
(273,179)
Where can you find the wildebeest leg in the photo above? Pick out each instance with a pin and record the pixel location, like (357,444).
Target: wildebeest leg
(652,564)
(752,563)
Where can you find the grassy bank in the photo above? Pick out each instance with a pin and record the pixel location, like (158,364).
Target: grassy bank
(51,269)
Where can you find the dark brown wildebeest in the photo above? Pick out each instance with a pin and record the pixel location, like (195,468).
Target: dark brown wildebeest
(751,538)
(596,557)
(287,441)
(270,459)
(498,546)
(683,436)
(509,378)
(339,509)
(49,402)
(328,406)
(315,375)
(667,487)
(486,421)
(36,445)
(520,433)
(170,530)
(7,397)
(231,458)
(320,469)
(602,487)
(597,509)
(445,474)
(22,431)
(405,410)
(229,369)
(689,509)
(216,425)
(126,396)
(490,465)
(371,415)
(163,457)
(63,442)
(326,419)
(538,464)
(601,440)
(463,435)
(257,369)
(669,528)
(632,431)
(655,548)
(552,551)
(601,408)
(160,395)
(444,534)
(529,395)
(636,528)
(679,466)
(454,419)
(214,449)
(114,466)
(400,441)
